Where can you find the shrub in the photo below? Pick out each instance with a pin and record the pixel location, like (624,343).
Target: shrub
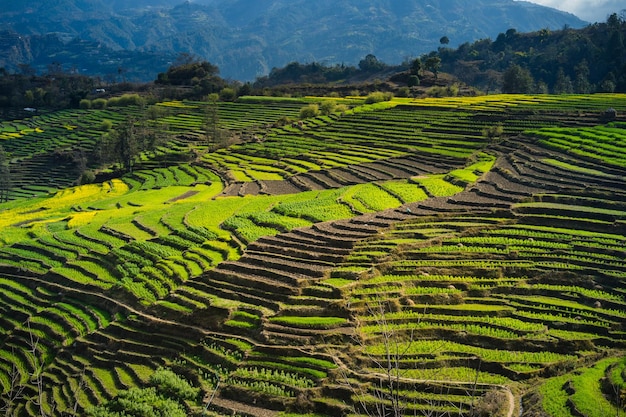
(126,100)
(85,104)
(172,386)
(88,177)
(312,110)
(228,94)
(493,132)
(99,103)
(138,402)
(403,92)
(106,125)
(328,107)
(378,97)
(437,92)
(414,81)
(452,90)
(341,108)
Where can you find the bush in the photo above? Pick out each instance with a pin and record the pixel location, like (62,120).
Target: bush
(312,110)
(144,402)
(126,100)
(378,97)
(493,132)
(403,92)
(85,104)
(414,81)
(328,107)
(113,102)
(170,385)
(99,103)
(228,94)
(106,125)
(436,92)
(88,177)
(341,108)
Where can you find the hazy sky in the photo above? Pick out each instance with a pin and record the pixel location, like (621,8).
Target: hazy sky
(589,10)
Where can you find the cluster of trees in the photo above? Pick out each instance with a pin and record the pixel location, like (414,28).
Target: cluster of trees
(190,71)
(53,90)
(316,73)
(123,144)
(592,59)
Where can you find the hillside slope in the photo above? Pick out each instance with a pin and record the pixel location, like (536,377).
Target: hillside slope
(279,274)
(248,38)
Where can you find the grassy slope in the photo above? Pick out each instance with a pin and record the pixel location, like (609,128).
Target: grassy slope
(93,239)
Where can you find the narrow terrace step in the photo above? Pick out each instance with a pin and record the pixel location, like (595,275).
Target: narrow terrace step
(304,184)
(301,242)
(489,190)
(507,186)
(285,265)
(343,231)
(278,187)
(228,291)
(250,293)
(343,176)
(413,165)
(397,171)
(300,251)
(324,238)
(249,188)
(323,179)
(252,281)
(378,172)
(230,407)
(361,175)
(355,228)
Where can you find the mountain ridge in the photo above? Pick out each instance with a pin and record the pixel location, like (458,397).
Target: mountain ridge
(247,39)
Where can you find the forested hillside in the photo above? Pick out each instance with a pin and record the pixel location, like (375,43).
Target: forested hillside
(242,37)
(562,61)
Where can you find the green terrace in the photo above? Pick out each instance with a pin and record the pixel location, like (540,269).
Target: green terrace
(282,270)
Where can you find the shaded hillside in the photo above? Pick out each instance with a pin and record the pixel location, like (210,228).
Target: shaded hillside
(563,61)
(246,39)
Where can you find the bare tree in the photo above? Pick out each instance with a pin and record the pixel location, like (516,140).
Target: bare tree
(380,391)
(387,383)
(5,176)
(15,393)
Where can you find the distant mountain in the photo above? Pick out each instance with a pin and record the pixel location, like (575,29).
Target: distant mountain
(246,38)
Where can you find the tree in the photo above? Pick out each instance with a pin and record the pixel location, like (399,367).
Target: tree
(517,80)
(413,81)
(211,119)
(582,85)
(444,40)
(563,84)
(416,67)
(433,64)
(125,144)
(5,176)
(371,64)
(387,379)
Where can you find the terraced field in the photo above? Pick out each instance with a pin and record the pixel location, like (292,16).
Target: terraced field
(387,260)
